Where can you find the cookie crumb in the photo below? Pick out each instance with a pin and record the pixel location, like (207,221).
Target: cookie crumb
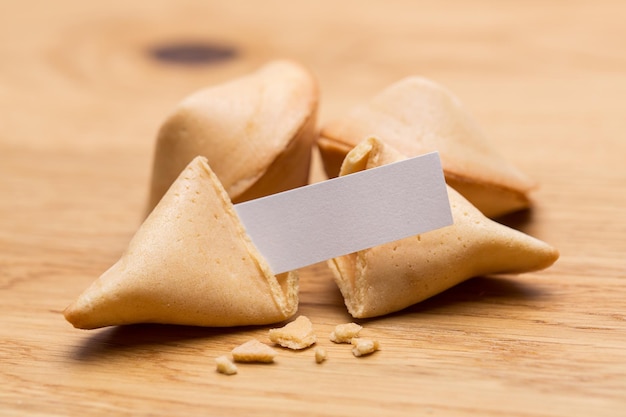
(344,333)
(225,365)
(320,355)
(363,346)
(296,335)
(253,351)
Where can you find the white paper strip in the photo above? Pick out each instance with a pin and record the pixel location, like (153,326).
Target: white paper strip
(317,222)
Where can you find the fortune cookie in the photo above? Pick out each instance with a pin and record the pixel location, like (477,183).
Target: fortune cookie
(256,131)
(190,262)
(395,275)
(417,116)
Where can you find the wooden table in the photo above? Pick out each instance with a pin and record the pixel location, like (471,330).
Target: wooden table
(82,94)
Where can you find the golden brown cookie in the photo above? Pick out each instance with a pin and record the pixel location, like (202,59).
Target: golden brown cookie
(417,116)
(256,132)
(390,277)
(191,262)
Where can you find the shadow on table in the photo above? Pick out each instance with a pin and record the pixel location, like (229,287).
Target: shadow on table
(144,339)
(519,220)
(148,339)
(484,291)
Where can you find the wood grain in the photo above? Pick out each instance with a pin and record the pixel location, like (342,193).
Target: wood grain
(81,98)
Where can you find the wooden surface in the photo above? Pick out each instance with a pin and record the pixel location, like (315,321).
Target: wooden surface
(81,98)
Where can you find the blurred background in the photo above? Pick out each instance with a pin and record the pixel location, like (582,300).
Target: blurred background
(97,62)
